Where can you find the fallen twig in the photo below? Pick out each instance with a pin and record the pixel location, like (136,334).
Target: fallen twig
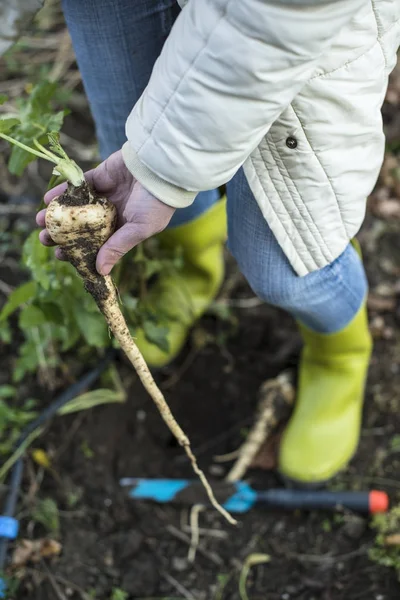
(212,556)
(276,397)
(194,531)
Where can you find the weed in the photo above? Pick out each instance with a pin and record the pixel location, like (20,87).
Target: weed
(46,513)
(395,443)
(55,314)
(118,594)
(86,450)
(386,549)
(222,581)
(326,526)
(12,418)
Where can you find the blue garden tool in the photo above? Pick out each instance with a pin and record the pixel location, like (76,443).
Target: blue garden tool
(240,497)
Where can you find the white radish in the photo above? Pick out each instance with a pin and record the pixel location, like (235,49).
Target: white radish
(80,222)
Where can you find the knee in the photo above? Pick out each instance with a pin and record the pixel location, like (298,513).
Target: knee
(270,288)
(267,270)
(275,286)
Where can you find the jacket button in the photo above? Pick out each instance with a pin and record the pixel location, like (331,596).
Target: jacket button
(291,143)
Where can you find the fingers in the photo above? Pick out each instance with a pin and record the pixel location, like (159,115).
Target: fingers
(123,240)
(45,238)
(59,254)
(54,192)
(41,218)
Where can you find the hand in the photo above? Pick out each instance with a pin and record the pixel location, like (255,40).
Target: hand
(140,214)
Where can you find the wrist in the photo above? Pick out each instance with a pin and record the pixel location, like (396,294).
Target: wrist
(163,190)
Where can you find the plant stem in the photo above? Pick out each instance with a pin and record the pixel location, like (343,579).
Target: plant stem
(26,148)
(19,452)
(55,159)
(64,166)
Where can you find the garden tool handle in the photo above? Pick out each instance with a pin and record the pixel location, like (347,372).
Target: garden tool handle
(367,502)
(240,497)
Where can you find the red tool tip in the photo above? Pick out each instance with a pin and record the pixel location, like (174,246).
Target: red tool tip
(378,502)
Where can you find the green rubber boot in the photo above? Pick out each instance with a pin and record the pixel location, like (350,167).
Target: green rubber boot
(324,430)
(185,295)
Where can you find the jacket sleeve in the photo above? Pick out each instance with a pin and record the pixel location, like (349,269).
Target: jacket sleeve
(226,72)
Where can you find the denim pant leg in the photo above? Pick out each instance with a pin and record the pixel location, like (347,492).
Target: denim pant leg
(325,300)
(116,43)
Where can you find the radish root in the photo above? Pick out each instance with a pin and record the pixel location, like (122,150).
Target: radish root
(80,222)
(118,326)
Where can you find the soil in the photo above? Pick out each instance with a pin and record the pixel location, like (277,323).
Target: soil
(110,541)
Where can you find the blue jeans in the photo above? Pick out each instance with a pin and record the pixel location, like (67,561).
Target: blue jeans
(116,43)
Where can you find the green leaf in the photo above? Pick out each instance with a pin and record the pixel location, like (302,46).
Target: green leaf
(6,415)
(92,399)
(71,337)
(36,258)
(46,513)
(19,296)
(87,450)
(27,361)
(394,443)
(19,160)
(56,121)
(40,97)
(20,451)
(93,327)
(31,316)
(52,312)
(5,332)
(3,98)
(37,119)
(7,391)
(156,334)
(55,146)
(119,594)
(7,124)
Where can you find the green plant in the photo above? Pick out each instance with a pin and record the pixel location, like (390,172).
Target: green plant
(386,549)
(27,129)
(326,526)
(46,513)
(222,581)
(96,397)
(12,418)
(48,303)
(118,594)
(394,443)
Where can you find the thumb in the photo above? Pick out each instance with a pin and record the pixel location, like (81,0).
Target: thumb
(123,240)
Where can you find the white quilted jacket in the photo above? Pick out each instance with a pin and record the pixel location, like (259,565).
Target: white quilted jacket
(292,90)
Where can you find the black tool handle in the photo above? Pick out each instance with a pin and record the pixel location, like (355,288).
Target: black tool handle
(364,502)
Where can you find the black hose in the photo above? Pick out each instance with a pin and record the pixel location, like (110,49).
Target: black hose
(16,474)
